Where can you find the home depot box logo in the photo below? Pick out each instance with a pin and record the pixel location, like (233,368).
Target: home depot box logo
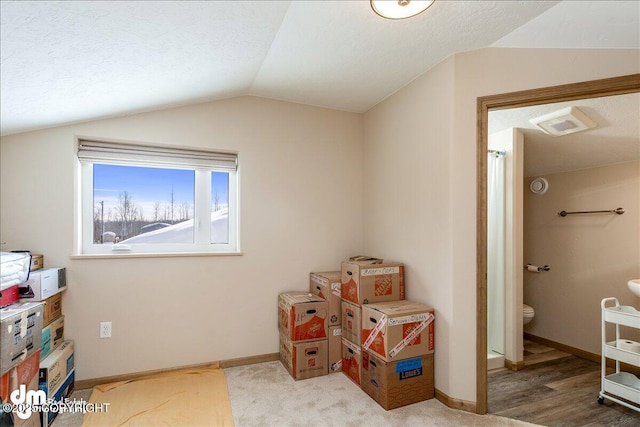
(398,329)
(351,360)
(303,316)
(304,359)
(367,283)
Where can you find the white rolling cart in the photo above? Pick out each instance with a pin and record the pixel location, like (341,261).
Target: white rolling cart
(620,387)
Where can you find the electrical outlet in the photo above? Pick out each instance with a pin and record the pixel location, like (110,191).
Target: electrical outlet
(105,329)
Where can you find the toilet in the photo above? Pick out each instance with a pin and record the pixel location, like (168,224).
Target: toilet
(527,314)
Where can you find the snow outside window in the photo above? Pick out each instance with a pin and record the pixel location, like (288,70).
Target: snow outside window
(153,200)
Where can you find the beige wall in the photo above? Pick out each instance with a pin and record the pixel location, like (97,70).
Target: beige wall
(591,256)
(430,219)
(301,211)
(308,186)
(407,195)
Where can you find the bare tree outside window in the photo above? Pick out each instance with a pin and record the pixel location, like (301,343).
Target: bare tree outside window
(216,201)
(127,213)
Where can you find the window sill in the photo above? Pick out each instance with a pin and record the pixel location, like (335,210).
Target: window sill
(163,255)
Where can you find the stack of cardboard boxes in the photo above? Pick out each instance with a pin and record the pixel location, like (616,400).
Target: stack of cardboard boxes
(326,285)
(397,352)
(14,269)
(20,338)
(382,342)
(304,347)
(363,281)
(20,341)
(33,346)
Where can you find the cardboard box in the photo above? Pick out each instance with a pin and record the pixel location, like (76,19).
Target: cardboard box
(304,359)
(9,296)
(398,330)
(52,336)
(63,392)
(327,286)
(24,374)
(352,360)
(335,349)
(42,284)
(399,383)
(365,283)
(52,309)
(37,262)
(56,367)
(303,316)
(351,321)
(366,259)
(20,333)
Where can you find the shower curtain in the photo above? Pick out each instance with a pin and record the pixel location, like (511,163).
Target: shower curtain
(496,253)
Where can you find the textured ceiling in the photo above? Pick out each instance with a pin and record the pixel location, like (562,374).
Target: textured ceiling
(65,62)
(615,139)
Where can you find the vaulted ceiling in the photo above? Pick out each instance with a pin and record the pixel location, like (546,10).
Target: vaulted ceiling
(67,61)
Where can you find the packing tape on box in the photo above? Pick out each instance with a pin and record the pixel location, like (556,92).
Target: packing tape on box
(411,336)
(374,332)
(336,289)
(23,324)
(355,348)
(629,345)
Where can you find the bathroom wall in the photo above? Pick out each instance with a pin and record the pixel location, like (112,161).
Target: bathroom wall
(591,256)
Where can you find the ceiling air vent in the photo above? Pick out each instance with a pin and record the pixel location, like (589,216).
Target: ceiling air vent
(563,122)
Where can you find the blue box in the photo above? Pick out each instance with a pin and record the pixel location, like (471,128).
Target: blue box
(63,392)
(52,337)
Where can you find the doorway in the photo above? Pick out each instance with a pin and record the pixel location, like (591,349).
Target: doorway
(591,89)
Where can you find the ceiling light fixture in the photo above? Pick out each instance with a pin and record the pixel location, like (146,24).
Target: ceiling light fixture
(399,9)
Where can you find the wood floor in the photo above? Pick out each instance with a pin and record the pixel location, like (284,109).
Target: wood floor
(555,389)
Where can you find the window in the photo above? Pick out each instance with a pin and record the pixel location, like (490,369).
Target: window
(148,199)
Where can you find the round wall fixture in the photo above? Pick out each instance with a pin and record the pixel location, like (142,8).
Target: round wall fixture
(539,186)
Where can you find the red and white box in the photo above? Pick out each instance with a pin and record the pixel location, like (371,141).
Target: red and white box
(303,316)
(352,360)
(398,329)
(24,374)
(366,283)
(10,295)
(327,286)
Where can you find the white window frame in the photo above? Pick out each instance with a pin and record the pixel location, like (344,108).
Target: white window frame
(202,201)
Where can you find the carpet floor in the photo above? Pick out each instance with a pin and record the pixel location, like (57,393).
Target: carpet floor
(265,395)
